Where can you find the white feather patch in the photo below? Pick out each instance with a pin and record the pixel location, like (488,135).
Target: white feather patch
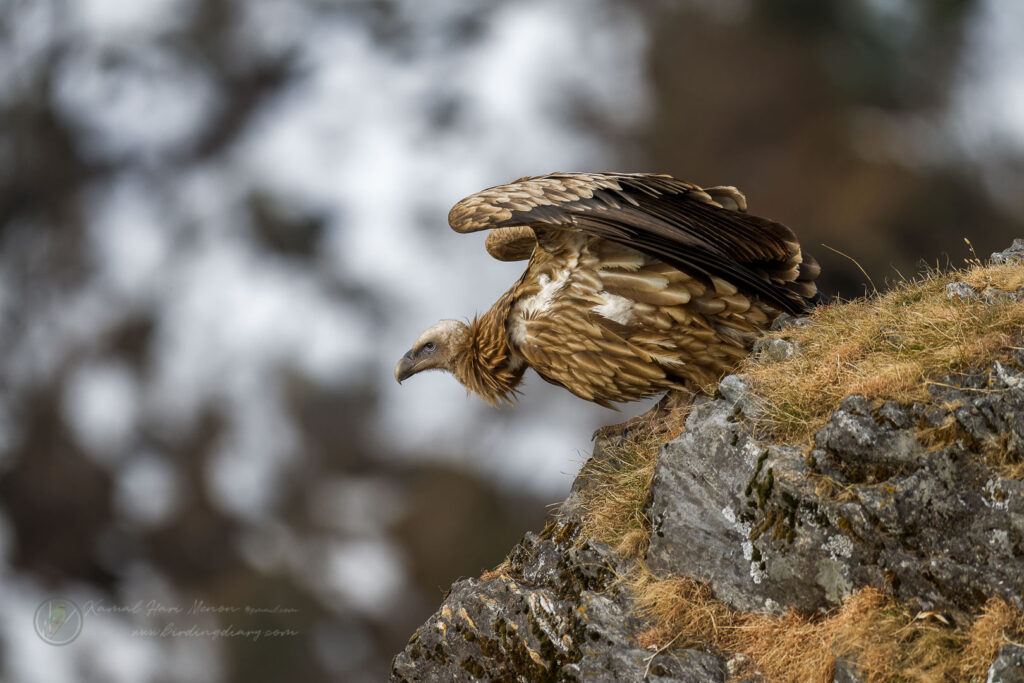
(615,307)
(517,331)
(533,306)
(549,289)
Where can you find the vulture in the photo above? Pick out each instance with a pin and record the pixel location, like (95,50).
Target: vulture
(635,285)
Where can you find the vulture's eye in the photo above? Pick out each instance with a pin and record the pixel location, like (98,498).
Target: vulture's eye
(429,347)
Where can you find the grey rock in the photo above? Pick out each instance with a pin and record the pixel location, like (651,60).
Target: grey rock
(961,290)
(774,350)
(1015,253)
(1008,667)
(992,295)
(895,415)
(710,489)
(555,615)
(733,389)
(785,320)
(672,666)
(863,447)
(846,672)
(771,526)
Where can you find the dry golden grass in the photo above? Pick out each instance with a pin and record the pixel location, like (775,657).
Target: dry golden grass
(1009,277)
(889,346)
(616,491)
(998,624)
(617,487)
(882,640)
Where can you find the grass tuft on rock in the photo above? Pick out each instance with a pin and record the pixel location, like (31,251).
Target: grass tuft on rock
(623,485)
(880,639)
(618,484)
(890,346)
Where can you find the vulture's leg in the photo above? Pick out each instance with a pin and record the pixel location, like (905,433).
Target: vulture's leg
(665,417)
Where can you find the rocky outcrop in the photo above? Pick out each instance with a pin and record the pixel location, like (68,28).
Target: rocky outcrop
(554,613)
(909,499)
(772,526)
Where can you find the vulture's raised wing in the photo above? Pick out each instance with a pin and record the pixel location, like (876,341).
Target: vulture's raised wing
(702,232)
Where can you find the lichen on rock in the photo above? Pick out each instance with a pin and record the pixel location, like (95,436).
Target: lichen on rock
(555,612)
(871,503)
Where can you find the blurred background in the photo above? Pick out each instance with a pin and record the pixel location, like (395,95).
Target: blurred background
(223,221)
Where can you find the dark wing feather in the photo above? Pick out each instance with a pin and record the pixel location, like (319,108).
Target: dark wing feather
(679,223)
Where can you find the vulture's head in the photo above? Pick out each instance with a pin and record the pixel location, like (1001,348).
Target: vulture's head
(434,350)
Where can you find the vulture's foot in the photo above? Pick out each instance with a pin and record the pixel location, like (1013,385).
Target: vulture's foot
(665,418)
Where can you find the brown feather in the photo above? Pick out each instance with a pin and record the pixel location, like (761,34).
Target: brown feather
(511,244)
(678,223)
(636,284)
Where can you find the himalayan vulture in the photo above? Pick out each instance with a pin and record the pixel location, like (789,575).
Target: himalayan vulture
(635,285)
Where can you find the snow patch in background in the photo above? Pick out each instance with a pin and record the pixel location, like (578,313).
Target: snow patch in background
(116,19)
(147,489)
(141,104)
(100,403)
(368,575)
(129,237)
(989,110)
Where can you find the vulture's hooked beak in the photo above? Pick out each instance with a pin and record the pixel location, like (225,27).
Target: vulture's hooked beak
(405,368)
